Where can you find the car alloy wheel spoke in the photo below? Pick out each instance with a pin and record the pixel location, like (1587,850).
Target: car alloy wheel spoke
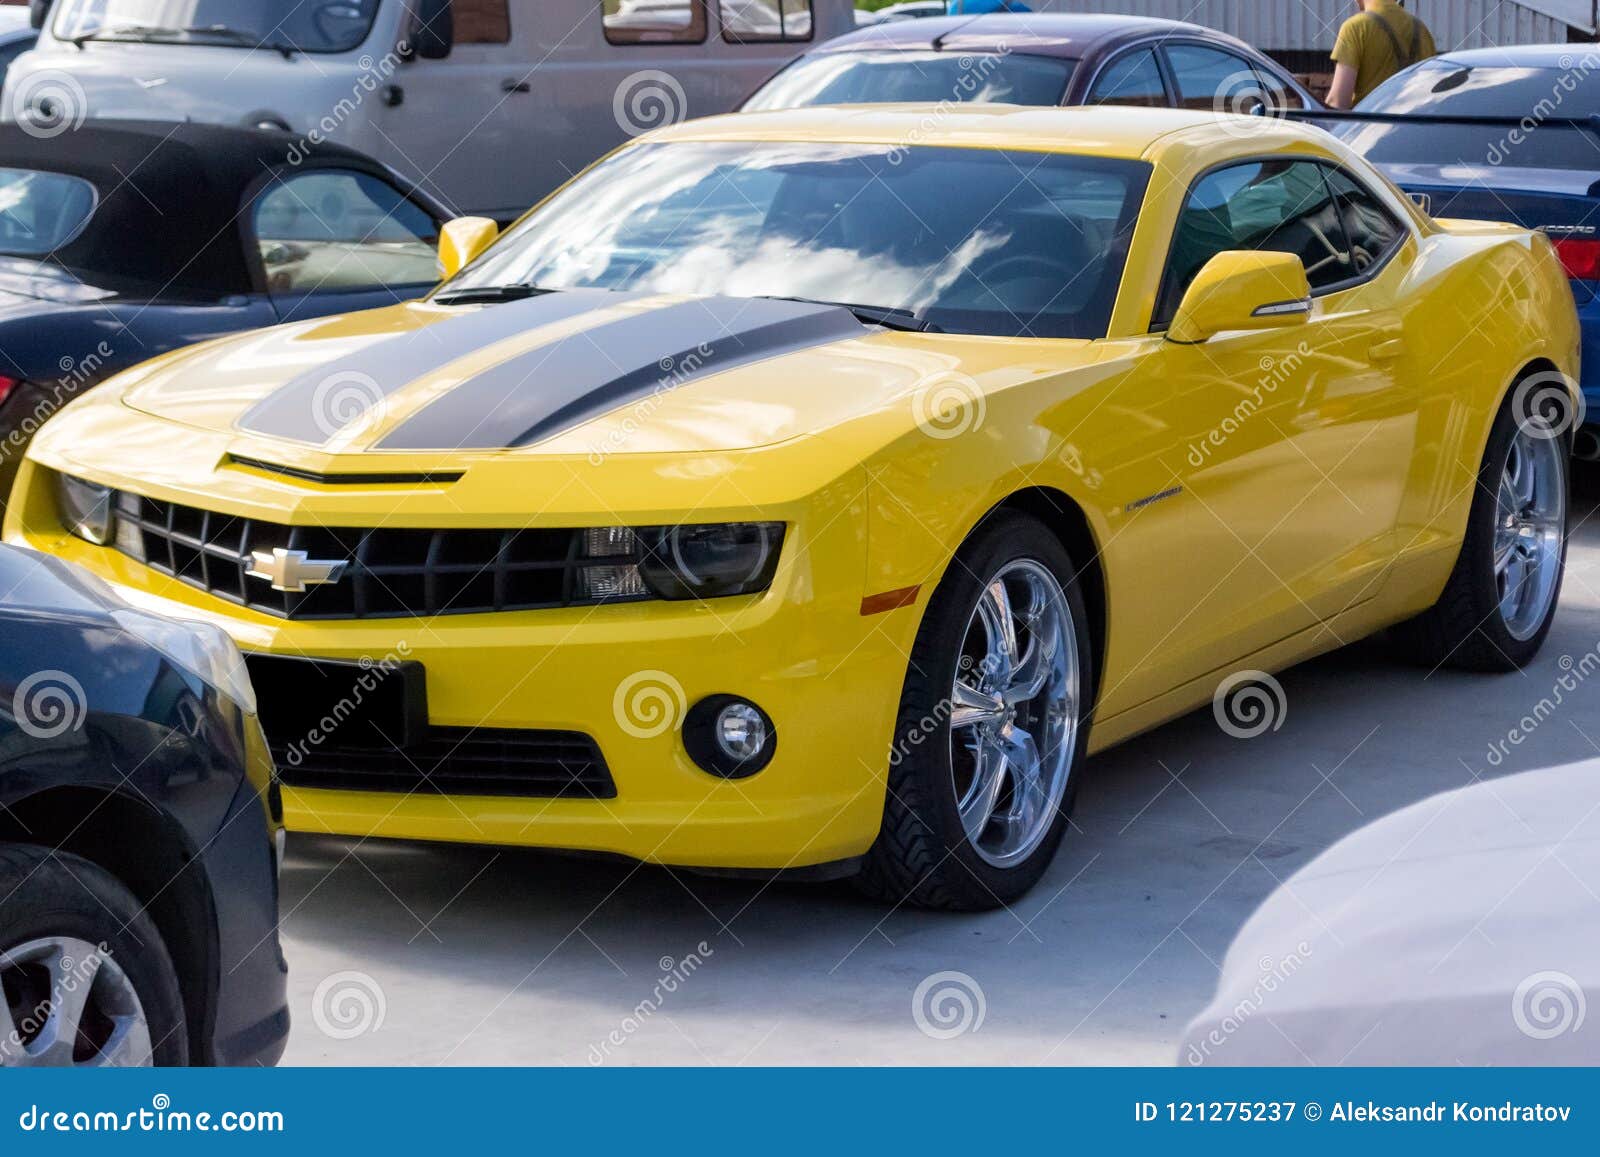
(1022,758)
(1044,645)
(129,1046)
(80,976)
(71,983)
(977,809)
(1530,519)
(1000,659)
(971,707)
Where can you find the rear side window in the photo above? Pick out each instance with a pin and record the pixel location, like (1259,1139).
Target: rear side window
(1133,79)
(1270,206)
(1209,78)
(482,21)
(757,20)
(333,229)
(654,21)
(931,77)
(1371,229)
(40,212)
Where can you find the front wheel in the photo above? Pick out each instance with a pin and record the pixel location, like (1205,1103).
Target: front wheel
(992,726)
(1500,600)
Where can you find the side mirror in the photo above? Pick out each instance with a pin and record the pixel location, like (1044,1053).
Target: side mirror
(1243,290)
(433,30)
(462,241)
(38,12)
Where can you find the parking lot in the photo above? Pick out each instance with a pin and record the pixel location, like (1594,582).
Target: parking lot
(413,954)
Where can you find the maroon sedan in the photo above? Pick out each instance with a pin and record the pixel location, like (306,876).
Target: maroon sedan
(1036,59)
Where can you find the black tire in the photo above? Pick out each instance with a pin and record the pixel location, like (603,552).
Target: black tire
(46,893)
(922,856)
(1464,628)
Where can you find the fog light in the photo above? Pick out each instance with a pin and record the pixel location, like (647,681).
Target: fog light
(729,736)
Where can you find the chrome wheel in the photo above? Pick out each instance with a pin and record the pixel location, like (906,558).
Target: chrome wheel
(1014,713)
(1530,520)
(68,1004)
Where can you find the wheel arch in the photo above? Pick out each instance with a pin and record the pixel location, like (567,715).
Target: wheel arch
(151,856)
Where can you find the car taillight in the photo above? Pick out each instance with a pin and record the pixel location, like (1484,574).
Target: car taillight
(6,386)
(1580,257)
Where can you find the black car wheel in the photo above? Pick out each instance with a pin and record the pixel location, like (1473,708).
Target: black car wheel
(87,981)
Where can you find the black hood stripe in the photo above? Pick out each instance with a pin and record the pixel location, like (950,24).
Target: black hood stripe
(315,406)
(581,376)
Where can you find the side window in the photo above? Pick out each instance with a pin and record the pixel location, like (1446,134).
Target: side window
(1272,206)
(654,21)
(332,229)
(1209,78)
(1372,229)
(1133,78)
(754,20)
(1280,94)
(482,21)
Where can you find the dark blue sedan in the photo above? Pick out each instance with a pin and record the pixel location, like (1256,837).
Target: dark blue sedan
(121,240)
(1504,134)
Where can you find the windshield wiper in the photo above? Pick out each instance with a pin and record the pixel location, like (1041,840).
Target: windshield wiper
(148,33)
(488,294)
(886,316)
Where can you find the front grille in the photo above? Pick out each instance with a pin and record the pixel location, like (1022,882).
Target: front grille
(391,572)
(457,761)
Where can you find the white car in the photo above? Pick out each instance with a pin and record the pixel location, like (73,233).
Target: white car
(1463,930)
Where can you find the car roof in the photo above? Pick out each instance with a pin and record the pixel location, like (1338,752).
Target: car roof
(1062,34)
(169,195)
(1561,56)
(1101,130)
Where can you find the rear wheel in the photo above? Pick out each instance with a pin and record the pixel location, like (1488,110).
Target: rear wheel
(991,730)
(85,978)
(1500,600)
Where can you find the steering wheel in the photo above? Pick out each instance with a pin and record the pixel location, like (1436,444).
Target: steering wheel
(1018,265)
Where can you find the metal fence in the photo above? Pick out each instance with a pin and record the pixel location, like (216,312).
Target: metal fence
(1303,26)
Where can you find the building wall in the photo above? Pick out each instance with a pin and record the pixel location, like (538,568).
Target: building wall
(1304,26)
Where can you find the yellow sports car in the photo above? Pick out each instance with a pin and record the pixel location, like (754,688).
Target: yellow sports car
(814,490)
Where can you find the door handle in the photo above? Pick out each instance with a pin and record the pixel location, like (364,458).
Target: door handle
(515,86)
(1388,350)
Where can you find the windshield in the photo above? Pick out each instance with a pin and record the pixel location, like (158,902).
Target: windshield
(309,27)
(970,240)
(39,212)
(931,77)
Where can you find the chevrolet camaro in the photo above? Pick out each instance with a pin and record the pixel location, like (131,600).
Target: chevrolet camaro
(813,491)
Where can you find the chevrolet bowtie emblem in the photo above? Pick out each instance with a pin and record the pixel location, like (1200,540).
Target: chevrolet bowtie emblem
(291,570)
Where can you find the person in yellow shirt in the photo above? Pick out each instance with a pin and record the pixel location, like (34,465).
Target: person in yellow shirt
(1374,44)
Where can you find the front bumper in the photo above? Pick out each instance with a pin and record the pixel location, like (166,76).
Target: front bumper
(829,678)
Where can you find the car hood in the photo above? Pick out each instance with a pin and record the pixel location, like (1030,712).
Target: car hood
(583,372)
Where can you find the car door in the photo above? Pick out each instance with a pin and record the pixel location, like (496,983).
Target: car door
(333,240)
(1287,449)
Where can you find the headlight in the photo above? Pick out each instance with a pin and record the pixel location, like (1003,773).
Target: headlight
(85,509)
(708,562)
(204,651)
